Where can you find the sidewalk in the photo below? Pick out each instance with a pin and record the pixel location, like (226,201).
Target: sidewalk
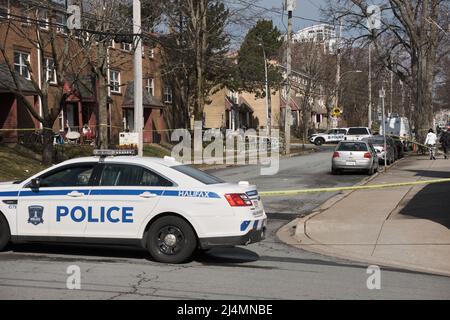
(404,227)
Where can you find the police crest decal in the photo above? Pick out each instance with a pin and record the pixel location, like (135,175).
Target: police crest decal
(35,215)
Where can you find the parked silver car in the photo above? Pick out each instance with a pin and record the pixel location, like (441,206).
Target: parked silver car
(378,143)
(354,155)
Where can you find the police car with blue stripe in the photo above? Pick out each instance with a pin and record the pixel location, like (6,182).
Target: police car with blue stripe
(168,208)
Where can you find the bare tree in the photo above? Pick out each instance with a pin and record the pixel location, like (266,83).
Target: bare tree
(309,58)
(412,28)
(105,22)
(61,55)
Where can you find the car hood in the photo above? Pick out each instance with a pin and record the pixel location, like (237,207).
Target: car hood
(8,186)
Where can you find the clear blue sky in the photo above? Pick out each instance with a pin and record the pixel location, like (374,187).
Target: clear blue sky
(305,8)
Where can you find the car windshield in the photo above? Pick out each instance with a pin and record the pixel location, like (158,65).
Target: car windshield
(352,146)
(357,131)
(198,175)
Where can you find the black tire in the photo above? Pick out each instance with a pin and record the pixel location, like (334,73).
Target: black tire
(319,141)
(335,171)
(179,231)
(5,234)
(371,171)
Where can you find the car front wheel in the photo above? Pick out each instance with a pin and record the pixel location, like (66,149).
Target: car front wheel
(319,141)
(171,239)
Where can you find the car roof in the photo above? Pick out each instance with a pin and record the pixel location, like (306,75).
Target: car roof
(168,162)
(353,141)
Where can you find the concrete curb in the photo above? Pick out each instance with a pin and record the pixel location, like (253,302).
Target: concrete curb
(294,233)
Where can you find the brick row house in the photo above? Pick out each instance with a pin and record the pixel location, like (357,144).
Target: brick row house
(80,107)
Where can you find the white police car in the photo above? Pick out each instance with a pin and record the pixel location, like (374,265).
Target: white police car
(330,136)
(169,208)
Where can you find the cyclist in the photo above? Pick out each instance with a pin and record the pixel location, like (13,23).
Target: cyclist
(430,141)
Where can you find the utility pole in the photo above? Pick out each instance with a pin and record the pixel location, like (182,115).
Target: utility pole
(338,63)
(370,86)
(268,120)
(402,108)
(138,108)
(290,5)
(383,123)
(392,86)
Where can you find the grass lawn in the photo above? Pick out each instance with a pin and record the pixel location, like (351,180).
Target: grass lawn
(154,150)
(17,165)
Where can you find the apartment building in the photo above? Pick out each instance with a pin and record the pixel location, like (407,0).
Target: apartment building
(19,21)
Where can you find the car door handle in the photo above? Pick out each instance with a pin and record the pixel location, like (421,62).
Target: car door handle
(147,194)
(75,194)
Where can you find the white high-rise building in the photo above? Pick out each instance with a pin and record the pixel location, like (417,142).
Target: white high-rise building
(321,33)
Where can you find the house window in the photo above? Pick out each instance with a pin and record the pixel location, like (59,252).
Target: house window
(126,46)
(149,86)
(61,23)
(26,13)
(233,96)
(43,19)
(21,61)
(151,53)
(4,8)
(114,81)
(50,72)
(167,93)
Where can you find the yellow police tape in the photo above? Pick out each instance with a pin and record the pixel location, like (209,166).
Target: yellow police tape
(365,187)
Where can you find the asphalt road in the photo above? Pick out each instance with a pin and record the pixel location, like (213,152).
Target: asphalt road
(267,270)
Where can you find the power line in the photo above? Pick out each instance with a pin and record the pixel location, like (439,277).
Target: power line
(281,12)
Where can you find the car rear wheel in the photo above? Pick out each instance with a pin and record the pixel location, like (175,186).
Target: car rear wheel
(5,234)
(335,171)
(171,239)
(319,141)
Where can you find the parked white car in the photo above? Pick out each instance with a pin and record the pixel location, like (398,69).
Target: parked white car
(330,136)
(358,133)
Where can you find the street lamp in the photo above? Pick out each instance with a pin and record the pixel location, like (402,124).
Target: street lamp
(268,124)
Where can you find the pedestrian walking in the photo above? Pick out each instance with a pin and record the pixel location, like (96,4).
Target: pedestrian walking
(430,142)
(445,142)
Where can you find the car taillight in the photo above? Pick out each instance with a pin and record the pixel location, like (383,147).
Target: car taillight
(367,155)
(238,200)
(336,154)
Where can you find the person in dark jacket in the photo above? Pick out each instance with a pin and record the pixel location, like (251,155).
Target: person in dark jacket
(445,142)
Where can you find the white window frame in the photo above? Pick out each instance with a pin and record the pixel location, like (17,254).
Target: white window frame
(61,25)
(151,53)
(124,46)
(48,71)
(43,23)
(21,65)
(8,10)
(168,95)
(114,81)
(150,86)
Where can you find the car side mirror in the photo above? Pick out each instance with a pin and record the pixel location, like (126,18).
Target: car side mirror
(35,183)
